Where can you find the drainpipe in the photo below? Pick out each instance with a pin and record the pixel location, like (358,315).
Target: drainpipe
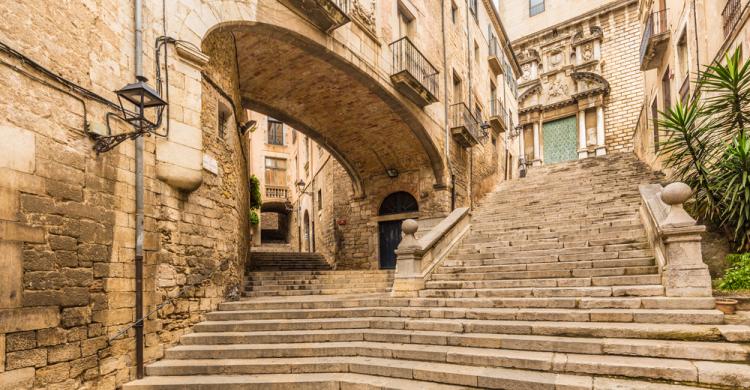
(139,203)
(469,48)
(445,105)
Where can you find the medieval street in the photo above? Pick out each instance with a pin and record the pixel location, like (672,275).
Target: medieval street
(374,194)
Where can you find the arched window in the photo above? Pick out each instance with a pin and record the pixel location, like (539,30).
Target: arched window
(398,202)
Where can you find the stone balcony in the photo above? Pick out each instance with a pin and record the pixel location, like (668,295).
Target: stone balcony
(465,128)
(413,75)
(498,116)
(326,15)
(655,40)
(276,194)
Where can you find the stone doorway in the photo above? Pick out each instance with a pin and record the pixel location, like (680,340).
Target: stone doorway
(395,208)
(560,140)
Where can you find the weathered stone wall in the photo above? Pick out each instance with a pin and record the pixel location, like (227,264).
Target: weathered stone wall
(67,214)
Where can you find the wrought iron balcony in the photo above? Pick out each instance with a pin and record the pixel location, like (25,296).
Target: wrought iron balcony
(277,193)
(465,129)
(655,39)
(327,15)
(495,57)
(412,74)
(731,15)
(498,116)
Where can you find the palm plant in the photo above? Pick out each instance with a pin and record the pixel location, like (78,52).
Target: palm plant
(707,146)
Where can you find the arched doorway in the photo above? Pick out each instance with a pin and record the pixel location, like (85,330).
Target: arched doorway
(395,208)
(307,239)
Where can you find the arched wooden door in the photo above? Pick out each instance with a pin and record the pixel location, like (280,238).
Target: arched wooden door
(389,231)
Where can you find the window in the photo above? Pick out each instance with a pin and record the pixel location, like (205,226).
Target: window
(536,7)
(684,69)
(655,123)
(275,171)
(476,52)
(457,88)
(294,136)
(405,22)
(473,7)
(223,116)
(666,90)
(275,132)
(320,199)
(454,12)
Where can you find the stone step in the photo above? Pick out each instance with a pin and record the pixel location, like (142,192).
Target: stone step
(671,303)
(543,292)
(293,381)
(716,351)
(332,291)
(462,358)
(469,274)
(680,332)
(458,266)
(506,314)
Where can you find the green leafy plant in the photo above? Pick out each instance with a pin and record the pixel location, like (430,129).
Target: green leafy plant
(737,276)
(254,218)
(707,146)
(255,197)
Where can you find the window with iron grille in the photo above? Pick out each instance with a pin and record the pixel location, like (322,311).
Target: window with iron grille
(275,132)
(536,7)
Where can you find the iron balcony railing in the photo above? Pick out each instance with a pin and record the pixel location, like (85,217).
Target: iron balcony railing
(731,15)
(655,25)
(407,58)
(461,116)
(277,192)
(497,109)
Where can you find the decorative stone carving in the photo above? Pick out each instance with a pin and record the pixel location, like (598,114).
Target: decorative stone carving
(587,52)
(558,87)
(363,14)
(526,69)
(555,59)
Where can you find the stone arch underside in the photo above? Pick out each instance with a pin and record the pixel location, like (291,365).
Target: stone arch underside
(344,109)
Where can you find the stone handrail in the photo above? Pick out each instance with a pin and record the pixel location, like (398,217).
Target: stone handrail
(416,258)
(676,239)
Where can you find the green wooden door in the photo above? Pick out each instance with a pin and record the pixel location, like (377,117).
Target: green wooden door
(560,140)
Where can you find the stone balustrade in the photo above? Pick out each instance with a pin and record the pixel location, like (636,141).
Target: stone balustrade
(676,239)
(416,258)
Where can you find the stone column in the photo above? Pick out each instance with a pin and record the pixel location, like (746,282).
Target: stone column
(582,152)
(601,148)
(521,142)
(537,157)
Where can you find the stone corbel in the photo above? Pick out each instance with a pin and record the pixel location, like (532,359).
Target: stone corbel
(676,239)
(191,54)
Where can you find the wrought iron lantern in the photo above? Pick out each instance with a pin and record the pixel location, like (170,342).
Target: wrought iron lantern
(136,101)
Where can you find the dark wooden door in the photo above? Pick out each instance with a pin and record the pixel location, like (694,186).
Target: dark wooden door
(390,237)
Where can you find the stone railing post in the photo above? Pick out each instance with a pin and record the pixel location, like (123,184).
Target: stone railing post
(685,274)
(409,253)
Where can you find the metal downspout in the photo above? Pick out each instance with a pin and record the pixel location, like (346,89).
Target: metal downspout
(139,192)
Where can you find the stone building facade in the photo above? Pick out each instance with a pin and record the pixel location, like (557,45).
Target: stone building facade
(580,91)
(678,38)
(68,214)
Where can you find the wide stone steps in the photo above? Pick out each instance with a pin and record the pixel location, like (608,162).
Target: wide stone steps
(316,282)
(510,314)
(345,374)
(718,351)
(547,292)
(459,266)
(398,355)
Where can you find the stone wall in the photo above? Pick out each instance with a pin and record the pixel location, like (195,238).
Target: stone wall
(67,214)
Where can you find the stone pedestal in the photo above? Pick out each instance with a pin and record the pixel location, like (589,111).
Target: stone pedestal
(685,274)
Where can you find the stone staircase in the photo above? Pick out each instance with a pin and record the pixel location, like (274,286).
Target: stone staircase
(554,287)
(295,274)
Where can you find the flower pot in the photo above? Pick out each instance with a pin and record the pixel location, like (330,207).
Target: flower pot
(726,305)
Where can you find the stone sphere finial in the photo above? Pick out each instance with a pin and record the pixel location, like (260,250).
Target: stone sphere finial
(409,226)
(676,193)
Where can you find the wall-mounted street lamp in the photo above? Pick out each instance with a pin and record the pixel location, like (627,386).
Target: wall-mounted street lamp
(136,101)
